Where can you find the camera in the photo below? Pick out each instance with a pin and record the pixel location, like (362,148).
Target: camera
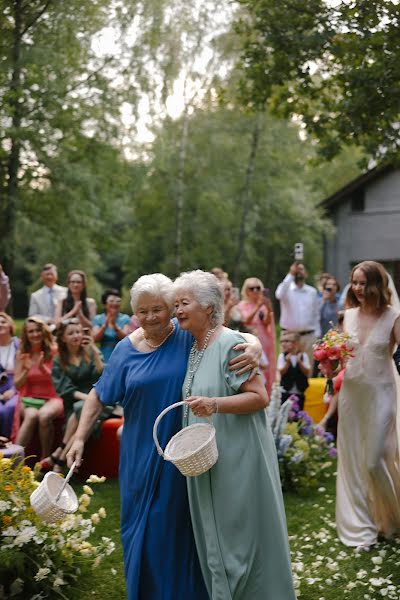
(3,375)
(298,252)
(328,289)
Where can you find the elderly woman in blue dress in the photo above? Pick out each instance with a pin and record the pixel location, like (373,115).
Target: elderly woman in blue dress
(236,507)
(145,375)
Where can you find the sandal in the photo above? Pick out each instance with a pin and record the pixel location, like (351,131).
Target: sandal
(48,464)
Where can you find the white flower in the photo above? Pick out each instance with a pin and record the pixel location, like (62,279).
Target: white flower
(57,582)
(322,489)
(377,560)
(42,574)
(95,479)
(84,500)
(95,518)
(88,490)
(113,571)
(25,536)
(102,512)
(4,505)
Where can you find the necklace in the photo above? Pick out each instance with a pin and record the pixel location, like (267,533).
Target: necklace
(195,357)
(164,340)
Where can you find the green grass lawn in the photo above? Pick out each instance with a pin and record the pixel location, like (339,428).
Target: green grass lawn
(324,568)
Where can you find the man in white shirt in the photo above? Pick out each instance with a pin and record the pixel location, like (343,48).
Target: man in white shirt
(299,308)
(43,302)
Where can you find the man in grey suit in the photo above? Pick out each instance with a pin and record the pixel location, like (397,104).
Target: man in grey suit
(43,302)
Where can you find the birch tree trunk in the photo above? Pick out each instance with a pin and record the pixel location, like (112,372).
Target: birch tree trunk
(245,206)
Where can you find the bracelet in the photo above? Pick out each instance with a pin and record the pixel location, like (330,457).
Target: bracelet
(215,406)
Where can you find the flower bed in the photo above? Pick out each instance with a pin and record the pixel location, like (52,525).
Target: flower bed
(304,449)
(39,559)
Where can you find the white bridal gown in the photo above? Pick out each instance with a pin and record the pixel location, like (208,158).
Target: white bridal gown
(368,479)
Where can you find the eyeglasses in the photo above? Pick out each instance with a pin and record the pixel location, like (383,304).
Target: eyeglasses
(254,288)
(75,281)
(72,321)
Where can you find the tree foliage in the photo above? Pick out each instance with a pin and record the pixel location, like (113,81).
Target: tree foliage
(335,64)
(280,202)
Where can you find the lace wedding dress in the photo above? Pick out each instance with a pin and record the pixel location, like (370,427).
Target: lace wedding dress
(368,479)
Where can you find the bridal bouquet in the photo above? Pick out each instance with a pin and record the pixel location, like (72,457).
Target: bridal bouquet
(332,352)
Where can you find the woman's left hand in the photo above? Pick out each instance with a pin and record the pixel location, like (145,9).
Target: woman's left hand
(201,406)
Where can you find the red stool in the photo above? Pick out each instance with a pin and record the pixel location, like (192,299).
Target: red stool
(101,455)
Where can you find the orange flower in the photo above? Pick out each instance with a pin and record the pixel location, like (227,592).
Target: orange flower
(6,520)
(8,487)
(26,469)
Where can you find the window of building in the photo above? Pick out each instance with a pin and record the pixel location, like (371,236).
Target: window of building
(358,201)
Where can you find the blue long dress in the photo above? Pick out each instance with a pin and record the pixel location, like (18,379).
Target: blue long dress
(159,551)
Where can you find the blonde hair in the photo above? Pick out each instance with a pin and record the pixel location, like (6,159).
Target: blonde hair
(10,322)
(245,285)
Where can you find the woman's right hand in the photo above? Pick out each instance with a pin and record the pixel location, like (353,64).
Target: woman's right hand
(26,361)
(77,308)
(75,453)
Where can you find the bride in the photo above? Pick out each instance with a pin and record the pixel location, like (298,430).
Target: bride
(368,480)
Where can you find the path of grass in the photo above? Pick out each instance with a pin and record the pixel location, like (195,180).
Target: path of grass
(324,568)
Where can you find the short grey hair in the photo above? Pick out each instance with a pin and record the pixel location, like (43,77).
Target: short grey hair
(206,289)
(157,285)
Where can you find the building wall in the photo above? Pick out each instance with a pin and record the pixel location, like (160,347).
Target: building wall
(373,234)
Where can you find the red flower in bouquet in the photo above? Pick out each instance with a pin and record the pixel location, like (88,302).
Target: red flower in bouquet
(332,352)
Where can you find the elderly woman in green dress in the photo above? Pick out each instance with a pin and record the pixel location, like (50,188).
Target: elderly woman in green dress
(236,507)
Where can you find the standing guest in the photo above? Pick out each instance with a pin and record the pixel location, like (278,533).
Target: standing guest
(219,273)
(242,546)
(329,306)
(257,316)
(368,479)
(8,394)
(111,326)
(43,302)
(293,366)
(5,290)
(38,403)
(320,281)
(232,316)
(299,308)
(76,369)
(145,375)
(76,304)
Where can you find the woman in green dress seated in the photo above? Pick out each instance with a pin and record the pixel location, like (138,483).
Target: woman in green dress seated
(76,368)
(236,507)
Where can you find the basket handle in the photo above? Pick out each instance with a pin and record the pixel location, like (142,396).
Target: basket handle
(156,422)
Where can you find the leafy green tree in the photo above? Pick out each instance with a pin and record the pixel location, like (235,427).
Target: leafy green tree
(51,86)
(335,64)
(279,201)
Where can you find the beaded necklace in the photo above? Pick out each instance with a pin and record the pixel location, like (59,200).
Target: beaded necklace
(164,340)
(195,357)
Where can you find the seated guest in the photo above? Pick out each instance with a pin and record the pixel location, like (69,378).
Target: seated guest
(8,394)
(111,326)
(43,302)
(293,366)
(5,291)
(38,403)
(76,368)
(76,304)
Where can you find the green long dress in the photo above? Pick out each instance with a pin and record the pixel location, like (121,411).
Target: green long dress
(237,507)
(77,378)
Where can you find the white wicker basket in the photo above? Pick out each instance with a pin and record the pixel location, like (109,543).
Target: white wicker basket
(45,501)
(193,450)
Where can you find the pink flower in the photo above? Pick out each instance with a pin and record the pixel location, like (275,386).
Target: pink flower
(334,353)
(320,353)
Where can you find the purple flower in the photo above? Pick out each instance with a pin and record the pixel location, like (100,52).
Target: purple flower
(332,452)
(305,417)
(306,430)
(328,436)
